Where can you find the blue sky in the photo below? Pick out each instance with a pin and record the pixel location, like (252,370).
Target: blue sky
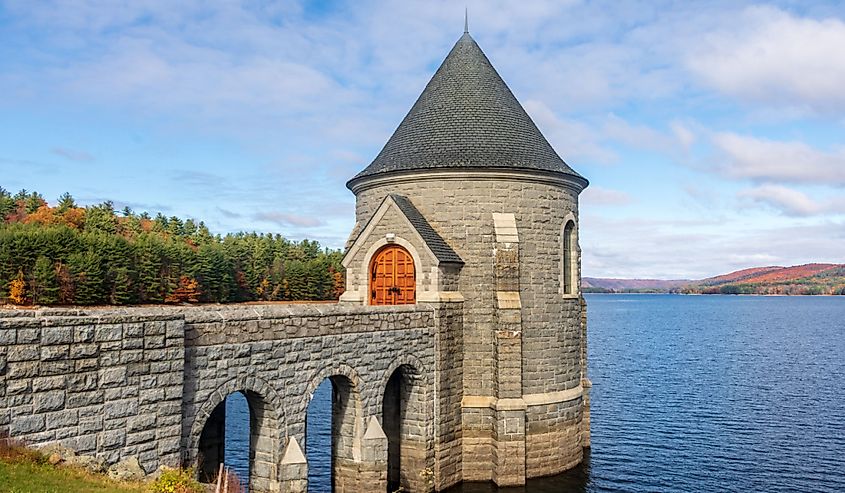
(712,132)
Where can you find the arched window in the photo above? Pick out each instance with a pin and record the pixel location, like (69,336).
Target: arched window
(392,277)
(569,258)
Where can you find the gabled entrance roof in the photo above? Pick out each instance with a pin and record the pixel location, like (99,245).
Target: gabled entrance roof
(435,243)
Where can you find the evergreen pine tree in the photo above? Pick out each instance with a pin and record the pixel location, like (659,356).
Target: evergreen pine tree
(7,204)
(203,236)
(296,280)
(101,218)
(149,270)
(89,278)
(45,284)
(33,201)
(66,203)
(122,292)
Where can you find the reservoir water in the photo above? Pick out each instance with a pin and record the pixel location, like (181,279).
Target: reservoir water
(690,393)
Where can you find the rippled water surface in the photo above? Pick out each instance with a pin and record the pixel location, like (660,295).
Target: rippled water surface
(704,393)
(236,443)
(318,439)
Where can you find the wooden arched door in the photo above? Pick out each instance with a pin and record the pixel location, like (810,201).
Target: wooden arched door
(392,277)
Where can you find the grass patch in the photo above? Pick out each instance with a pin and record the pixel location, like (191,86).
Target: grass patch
(41,477)
(23,470)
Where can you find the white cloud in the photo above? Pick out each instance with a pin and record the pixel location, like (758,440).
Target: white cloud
(676,140)
(571,139)
(762,159)
(771,56)
(792,202)
(683,134)
(285,219)
(73,154)
(598,196)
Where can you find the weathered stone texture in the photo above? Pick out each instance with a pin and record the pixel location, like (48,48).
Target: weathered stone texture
(520,335)
(553,439)
(143,383)
(72,384)
(279,354)
(461,211)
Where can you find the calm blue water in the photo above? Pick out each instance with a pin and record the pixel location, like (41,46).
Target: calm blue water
(318,437)
(236,443)
(700,393)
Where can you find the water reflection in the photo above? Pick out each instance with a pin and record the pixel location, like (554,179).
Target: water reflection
(576,480)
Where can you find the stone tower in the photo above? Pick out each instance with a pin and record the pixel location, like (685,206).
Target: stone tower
(483,216)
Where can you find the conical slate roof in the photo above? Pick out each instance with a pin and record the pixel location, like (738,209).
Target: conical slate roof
(466,117)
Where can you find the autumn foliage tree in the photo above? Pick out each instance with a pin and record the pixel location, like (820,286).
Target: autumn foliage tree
(69,254)
(186,292)
(17,290)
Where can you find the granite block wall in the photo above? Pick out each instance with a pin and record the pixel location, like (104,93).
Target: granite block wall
(522,334)
(109,386)
(145,382)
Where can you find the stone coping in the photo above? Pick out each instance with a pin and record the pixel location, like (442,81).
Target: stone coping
(197,313)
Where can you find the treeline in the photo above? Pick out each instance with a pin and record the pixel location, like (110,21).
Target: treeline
(598,290)
(787,289)
(71,255)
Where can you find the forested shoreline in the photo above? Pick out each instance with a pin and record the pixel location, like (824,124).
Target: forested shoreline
(71,255)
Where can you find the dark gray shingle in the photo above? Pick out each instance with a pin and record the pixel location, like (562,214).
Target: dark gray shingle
(466,117)
(435,242)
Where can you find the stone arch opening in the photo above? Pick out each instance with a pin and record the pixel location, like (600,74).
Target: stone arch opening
(333,434)
(404,424)
(392,276)
(262,430)
(569,258)
(266,422)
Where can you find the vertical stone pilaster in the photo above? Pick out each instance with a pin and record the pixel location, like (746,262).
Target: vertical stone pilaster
(509,413)
(509,426)
(448,380)
(293,471)
(373,469)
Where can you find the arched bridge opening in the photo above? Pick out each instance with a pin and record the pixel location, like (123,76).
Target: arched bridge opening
(404,423)
(333,435)
(261,430)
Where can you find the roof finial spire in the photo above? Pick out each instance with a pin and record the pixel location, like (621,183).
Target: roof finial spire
(466,20)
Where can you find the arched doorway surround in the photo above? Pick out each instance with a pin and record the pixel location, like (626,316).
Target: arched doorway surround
(392,277)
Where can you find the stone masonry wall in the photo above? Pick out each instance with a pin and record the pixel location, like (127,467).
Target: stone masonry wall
(548,365)
(281,353)
(142,382)
(461,211)
(108,386)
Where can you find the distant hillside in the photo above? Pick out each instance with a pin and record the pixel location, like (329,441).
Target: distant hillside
(596,284)
(808,279)
(799,279)
(737,276)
